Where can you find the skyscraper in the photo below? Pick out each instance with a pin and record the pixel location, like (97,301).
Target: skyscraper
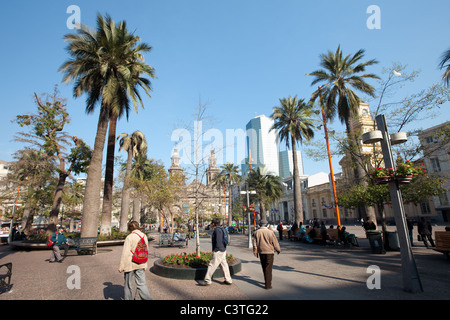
(287,163)
(262,146)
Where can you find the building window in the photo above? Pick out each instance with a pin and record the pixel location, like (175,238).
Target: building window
(443,199)
(324,212)
(313,203)
(314,213)
(429,139)
(425,207)
(435,165)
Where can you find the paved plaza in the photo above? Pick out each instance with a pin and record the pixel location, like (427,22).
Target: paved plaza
(301,272)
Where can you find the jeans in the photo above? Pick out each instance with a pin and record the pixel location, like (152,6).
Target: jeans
(141,285)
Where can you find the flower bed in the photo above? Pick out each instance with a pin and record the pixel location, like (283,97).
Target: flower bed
(184,260)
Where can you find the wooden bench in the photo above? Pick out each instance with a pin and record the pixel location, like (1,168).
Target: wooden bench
(5,278)
(442,240)
(85,245)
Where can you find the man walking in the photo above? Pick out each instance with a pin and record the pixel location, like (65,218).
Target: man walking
(219,254)
(265,243)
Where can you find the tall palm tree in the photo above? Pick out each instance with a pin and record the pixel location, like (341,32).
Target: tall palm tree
(445,63)
(135,144)
(294,122)
(230,174)
(267,186)
(106,64)
(339,77)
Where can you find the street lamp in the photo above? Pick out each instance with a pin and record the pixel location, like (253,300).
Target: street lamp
(411,279)
(247,192)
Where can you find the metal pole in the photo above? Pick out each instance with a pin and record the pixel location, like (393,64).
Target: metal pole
(411,279)
(250,244)
(333,184)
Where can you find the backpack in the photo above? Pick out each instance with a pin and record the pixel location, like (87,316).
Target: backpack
(140,254)
(226,237)
(50,243)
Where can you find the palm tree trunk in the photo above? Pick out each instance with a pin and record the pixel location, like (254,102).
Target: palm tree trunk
(109,178)
(298,203)
(91,204)
(137,209)
(126,193)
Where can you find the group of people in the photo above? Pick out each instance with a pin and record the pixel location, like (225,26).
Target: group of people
(265,244)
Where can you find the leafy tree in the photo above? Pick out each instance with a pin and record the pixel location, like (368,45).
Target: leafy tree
(35,172)
(229,175)
(46,131)
(268,187)
(294,123)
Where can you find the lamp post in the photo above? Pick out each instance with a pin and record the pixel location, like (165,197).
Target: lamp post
(333,184)
(250,244)
(411,279)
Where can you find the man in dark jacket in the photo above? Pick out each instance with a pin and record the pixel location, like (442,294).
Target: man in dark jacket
(425,230)
(218,255)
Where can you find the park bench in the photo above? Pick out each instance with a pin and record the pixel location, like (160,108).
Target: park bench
(183,243)
(442,239)
(85,245)
(166,239)
(5,278)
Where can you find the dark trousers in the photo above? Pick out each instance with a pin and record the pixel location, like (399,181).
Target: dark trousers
(266,264)
(424,239)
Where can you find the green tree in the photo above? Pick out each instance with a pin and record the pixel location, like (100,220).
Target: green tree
(267,186)
(339,77)
(47,132)
(36,175)
(134,144)
(445,64)
(294,123)
(230,175)
(107,65)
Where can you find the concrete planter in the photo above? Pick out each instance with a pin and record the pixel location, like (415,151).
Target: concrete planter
(21,245)
(190,273)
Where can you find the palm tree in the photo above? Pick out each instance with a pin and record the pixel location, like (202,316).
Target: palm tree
(340,76)
(107,65)
(230,174)
(267,186)
(135,144)
(294,122)
(445,63)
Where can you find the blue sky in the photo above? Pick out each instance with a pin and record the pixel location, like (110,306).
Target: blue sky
(240,57)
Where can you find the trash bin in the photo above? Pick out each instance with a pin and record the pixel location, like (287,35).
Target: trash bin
(376,241)
(392,239)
